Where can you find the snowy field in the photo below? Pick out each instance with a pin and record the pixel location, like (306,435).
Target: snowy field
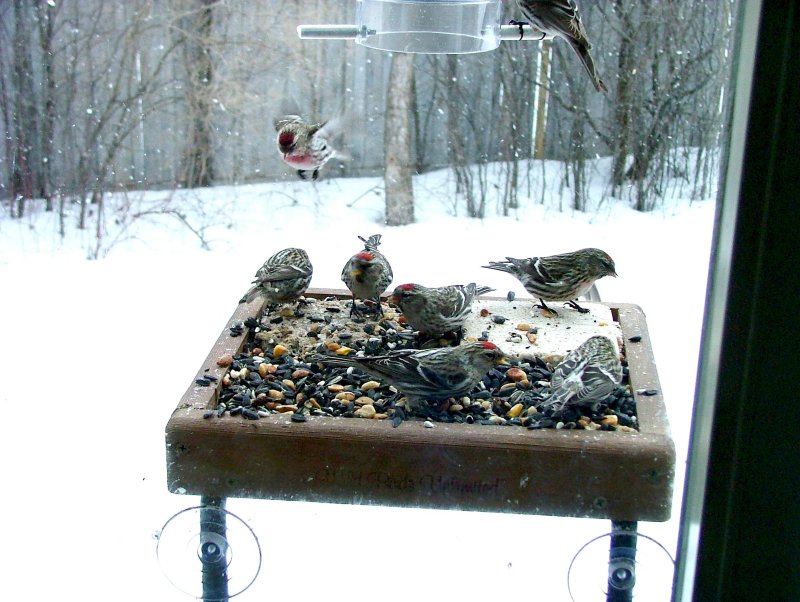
(95,355)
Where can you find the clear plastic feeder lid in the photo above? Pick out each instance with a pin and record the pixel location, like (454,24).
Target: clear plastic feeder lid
(429,26)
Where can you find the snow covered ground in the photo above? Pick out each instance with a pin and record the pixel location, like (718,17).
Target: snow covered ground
(96,354)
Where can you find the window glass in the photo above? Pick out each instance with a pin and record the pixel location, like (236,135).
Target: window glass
(158,154)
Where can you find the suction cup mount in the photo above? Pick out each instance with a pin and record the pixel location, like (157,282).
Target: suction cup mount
(196,547)
(609,570)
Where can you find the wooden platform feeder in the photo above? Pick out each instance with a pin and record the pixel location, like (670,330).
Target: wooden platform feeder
(620,476)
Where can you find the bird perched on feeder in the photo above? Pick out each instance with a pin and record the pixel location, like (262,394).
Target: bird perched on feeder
(562,277)
(367,274)
(436,311)
(284,277)
(428,374)
(587,375)
(561,18)
(304,146)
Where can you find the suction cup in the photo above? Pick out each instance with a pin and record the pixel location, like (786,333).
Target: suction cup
(208,553)
(596,568)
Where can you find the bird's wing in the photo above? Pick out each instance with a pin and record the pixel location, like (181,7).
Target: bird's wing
(539,269)
(394,365)
(445,382)
(283,272)
(284,120)
(562,16)
(597,384)
(317,127)
(554,269)
(570,364)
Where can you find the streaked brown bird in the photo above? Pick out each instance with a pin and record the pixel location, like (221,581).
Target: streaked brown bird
(428,374)
(367,274)
(284,277)
(562,277)
(587,375)
(561,18)
(439,310)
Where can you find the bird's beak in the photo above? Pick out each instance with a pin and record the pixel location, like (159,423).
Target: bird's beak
(356,273)
(614,274)
(393,299)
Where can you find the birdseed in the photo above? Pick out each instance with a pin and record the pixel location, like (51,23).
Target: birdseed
(272,376)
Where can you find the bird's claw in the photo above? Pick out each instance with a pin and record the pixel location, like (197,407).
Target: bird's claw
(580,309)
(520,25)
(546,311)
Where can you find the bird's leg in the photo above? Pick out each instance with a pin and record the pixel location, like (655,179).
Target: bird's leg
(302,174)
(356,312)
(378,308)
(519,24)
(353,309)
(583,310)
(315,175)
(543,305)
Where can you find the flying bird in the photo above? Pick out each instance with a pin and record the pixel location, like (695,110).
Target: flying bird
(304,146)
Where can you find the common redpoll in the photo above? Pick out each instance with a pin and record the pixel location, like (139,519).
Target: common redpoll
(428,374)
(562,277)
(561,18)
(587,375)
(283,277)
(435,311)
(367,274)
(303,145)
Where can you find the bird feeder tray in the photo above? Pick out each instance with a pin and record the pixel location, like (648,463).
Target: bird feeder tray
(453,466)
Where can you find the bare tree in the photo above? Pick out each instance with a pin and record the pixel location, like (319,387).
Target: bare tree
(26,158)
(195,39)
(545,51)
(101,95)
(98,96)
(397,140)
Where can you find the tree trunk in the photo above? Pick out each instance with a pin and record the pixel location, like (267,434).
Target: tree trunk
(24,179)
(541,100)
(397,142)
(624,99)
(199,153)
(45,16)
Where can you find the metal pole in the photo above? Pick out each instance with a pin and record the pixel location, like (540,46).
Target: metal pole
(351,32)
(622,561)
(511,33)
(213,551)
(331,32)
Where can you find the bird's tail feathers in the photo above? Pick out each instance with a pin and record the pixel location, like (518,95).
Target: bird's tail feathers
(502,266)
(334,360)
(251,294)
(588,64)
(371,243)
